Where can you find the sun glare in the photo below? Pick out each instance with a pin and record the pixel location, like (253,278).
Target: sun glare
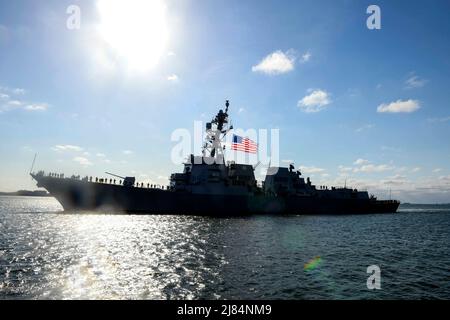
(135,29)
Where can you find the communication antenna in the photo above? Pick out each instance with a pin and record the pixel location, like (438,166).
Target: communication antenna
(32,165)
(256,166)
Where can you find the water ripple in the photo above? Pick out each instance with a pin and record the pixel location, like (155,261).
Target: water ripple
(47,254)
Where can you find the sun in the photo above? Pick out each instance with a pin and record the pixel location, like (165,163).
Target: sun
(136,30)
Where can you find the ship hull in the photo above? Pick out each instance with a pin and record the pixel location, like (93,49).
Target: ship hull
(75,195)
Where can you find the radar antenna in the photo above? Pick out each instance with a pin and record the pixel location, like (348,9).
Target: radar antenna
(216,131)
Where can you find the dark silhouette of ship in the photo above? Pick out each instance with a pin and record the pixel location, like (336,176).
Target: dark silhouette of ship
(211,186)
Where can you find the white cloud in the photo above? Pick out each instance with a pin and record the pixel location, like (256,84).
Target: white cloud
(275,63)
(396,180)
(420,189)
(15,103)
(7,103)
(82,161)
(360,162)
(173,78)
(365,127)
(345,169)
(18,91)
(241,110)
(36,107)
(67,147)
(316,101)
(127,152)
(310,170)
(13,91)
(102,158)
(443,119)
(437,170)
(306,57)
(416,169)
(406,106)
(4,34)
(370,168)
(391,149)
(415,82)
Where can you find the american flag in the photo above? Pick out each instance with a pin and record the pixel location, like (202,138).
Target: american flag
(243,144)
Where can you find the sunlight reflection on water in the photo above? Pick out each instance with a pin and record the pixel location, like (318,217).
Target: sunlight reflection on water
(47,254)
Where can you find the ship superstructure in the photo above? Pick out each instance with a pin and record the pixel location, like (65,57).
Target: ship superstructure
(209,185)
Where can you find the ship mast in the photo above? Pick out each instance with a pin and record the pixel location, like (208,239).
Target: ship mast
(216,131)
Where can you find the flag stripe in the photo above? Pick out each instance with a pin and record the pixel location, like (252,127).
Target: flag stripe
(244,147)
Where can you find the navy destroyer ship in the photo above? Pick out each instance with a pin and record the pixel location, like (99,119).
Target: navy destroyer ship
(211,186)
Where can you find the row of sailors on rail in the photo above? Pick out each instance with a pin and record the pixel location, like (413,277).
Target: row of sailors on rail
(54,175)
(105,180)
(113,181)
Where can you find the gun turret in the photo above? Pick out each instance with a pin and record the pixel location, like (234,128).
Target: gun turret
(114,175)
(127,181)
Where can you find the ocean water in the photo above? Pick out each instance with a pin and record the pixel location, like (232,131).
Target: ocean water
(48,254)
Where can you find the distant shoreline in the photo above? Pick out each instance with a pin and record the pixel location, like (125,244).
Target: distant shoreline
(424,204)
(26,193)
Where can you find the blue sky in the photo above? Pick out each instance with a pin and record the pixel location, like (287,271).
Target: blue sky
(309,68)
